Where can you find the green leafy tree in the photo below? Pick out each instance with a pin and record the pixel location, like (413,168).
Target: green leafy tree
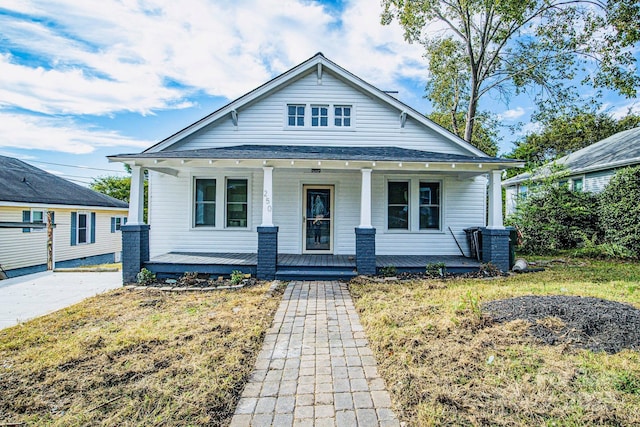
(519,46)
(620,210)
(119,187)
(564,134)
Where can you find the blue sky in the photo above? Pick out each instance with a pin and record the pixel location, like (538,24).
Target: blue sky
(81,80)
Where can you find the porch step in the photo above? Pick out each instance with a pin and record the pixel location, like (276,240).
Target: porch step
(310,274)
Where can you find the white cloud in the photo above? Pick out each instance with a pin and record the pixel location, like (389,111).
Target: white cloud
(109,56)
(621,109)
(512,114)
(57,134)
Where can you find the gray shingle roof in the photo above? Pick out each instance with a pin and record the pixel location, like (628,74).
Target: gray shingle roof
(286,152)
(619,150)
(22,183)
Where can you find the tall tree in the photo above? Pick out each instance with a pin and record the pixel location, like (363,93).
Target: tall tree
(519,46)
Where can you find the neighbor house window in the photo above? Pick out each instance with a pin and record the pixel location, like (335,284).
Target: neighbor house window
(320,115)
(577,184)
(342,116)
(295,114)
(117,222)
(398,205)
(429,205)
(205,203)
(83,228)
(34,216)
(237,203)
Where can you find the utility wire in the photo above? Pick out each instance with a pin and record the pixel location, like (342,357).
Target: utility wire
(76,166)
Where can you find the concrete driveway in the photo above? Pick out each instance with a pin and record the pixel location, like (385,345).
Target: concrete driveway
(23,298)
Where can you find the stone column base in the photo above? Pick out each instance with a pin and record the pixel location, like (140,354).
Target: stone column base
(135,250)
(495,247)
(366,250)
(267,253)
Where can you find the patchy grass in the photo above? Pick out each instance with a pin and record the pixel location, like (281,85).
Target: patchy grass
(134,358)
(445,363)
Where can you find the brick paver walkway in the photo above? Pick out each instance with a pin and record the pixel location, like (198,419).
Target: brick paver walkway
(315,367)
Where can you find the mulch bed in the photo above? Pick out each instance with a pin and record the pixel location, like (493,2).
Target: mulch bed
(200,280)
(582,322)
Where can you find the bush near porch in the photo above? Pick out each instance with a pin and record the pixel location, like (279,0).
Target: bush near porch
(134,358)
(446,363)
(607,225)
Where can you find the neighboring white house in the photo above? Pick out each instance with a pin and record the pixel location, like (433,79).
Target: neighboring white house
(317,153)
(85,228)
(588,169)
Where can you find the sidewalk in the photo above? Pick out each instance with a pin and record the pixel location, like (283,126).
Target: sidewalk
(315,367)
(25,297)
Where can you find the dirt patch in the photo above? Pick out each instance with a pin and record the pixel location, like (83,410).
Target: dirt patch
(583,322)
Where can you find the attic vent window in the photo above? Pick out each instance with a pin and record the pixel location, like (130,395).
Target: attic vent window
(318,116)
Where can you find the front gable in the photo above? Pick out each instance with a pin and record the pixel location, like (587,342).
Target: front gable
(261,117)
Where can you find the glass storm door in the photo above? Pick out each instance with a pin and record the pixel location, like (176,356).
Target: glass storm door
(318,221)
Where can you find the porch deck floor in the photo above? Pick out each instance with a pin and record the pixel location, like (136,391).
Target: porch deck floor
(311,260)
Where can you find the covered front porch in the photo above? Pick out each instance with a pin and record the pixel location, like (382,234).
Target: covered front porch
(299,266)
(359,228)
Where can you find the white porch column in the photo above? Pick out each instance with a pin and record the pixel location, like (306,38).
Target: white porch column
(365,199)
(136,197)
(267,197)
(495,200)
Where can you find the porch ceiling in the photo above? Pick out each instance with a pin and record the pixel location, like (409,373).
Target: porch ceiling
(316,157)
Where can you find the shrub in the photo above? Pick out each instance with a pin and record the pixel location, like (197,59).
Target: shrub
(620,210)
(236,277)
(438,269)
(145,277)
(389,271)
(554,218)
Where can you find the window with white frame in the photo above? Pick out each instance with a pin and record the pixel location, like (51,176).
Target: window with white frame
(577,184)
(295,115)
(117,222)
(82,229)
(429,205)
(205,203)
(319,115)
(398,205)
(237,202)
(342,116)
(39,217)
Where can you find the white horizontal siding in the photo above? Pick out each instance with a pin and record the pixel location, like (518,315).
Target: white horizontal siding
(106,241)
(375,123)
(171,212)
(463,206)
(18,249)
(596,182)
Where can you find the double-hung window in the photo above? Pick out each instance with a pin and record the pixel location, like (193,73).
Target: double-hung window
(82,230)
(429,206)
(295,115)
(320,115)
(398,205)
(205,203)
(237,197)
(342,116)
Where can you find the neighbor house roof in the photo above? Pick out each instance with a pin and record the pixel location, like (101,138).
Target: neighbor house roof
(22,183)
(619,150)
(316,62)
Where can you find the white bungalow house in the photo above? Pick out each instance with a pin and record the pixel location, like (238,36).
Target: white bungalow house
(314,169)
(47,222)
(588,169)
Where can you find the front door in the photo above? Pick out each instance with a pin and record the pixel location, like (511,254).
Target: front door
(317,230)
